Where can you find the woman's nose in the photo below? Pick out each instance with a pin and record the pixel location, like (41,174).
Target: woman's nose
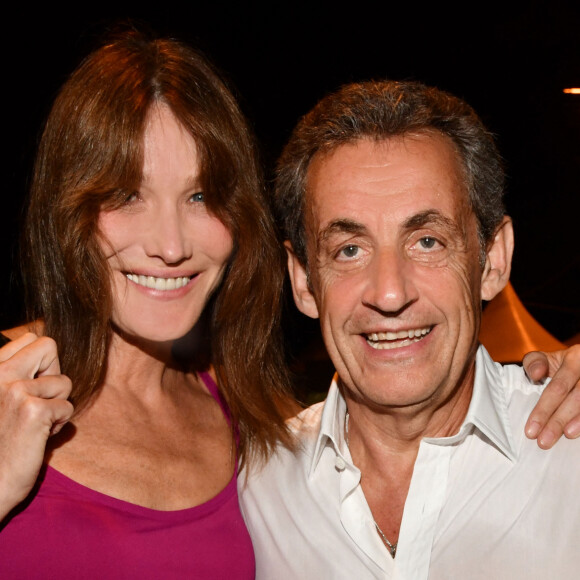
(166,236)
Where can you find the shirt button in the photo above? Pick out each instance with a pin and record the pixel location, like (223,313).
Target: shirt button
(339,463)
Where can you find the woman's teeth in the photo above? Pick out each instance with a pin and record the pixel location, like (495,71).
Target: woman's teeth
(159,283)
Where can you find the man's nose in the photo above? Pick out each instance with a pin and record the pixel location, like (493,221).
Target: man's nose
(389,286)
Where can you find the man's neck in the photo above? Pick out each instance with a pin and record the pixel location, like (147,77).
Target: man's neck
(384,446)
(400,429)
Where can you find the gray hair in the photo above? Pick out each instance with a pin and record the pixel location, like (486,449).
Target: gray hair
(381,110)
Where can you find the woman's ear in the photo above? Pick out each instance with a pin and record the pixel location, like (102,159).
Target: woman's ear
(301,290)
(498,261)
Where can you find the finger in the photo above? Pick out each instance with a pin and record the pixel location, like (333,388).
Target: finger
(558,405)
(551,398)
(52,413)
(29,358)
(536,365)
(564,366)
(50,363)
(61,412)
(566,413)
(563,421)
(572,429)
(62,417)
(45,387)
(12,347)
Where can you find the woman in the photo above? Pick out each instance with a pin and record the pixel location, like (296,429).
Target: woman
(146,217)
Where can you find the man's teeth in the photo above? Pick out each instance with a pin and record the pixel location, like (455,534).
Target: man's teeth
(159,283)
(388,340)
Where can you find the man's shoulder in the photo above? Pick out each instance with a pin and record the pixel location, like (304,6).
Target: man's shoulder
(513,396)
(307,422)
(284,476)
(507,379)
(305,429)
(519,392)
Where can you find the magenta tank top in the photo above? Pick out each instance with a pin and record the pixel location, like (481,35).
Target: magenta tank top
(66,530)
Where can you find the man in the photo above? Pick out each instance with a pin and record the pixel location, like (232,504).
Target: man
(416,466)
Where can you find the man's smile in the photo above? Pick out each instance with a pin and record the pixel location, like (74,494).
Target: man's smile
(399,339)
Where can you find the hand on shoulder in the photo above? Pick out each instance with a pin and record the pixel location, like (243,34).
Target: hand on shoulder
(558,410)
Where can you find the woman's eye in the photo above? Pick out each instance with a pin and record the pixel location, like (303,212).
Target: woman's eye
(198,197)
(130,197)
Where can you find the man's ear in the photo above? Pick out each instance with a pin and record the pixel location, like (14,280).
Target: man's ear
(498,261)
(300,285)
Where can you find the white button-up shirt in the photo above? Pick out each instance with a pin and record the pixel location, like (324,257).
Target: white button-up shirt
(486,503)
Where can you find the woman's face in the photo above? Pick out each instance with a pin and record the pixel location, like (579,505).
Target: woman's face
(167,253)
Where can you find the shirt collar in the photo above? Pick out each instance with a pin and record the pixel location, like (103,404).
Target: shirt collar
(488,412)
(331,425)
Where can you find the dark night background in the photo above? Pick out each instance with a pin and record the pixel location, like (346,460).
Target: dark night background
(510,60)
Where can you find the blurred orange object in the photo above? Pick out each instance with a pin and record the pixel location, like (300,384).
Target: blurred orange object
(509,331)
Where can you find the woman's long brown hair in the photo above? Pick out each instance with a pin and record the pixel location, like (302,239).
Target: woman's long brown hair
(89,157)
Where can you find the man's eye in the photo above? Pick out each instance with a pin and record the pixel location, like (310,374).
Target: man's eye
(198,197)
(428,243)
(349,251)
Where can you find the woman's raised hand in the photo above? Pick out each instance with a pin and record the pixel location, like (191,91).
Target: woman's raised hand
(33,406)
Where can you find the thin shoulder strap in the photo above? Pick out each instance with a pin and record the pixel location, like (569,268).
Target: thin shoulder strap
(214,391)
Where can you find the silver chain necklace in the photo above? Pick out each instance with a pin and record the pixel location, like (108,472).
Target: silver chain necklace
(391,547)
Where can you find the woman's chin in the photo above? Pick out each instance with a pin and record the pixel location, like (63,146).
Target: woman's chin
(140,335)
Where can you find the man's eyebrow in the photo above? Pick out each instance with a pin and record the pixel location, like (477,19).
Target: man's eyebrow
(340,226)
(430,217)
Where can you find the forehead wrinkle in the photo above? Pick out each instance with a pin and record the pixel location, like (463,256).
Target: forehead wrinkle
(421,219)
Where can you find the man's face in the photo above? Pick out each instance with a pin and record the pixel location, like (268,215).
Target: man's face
(395,274)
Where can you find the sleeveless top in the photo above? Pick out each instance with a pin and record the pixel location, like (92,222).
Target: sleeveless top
(66,530)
